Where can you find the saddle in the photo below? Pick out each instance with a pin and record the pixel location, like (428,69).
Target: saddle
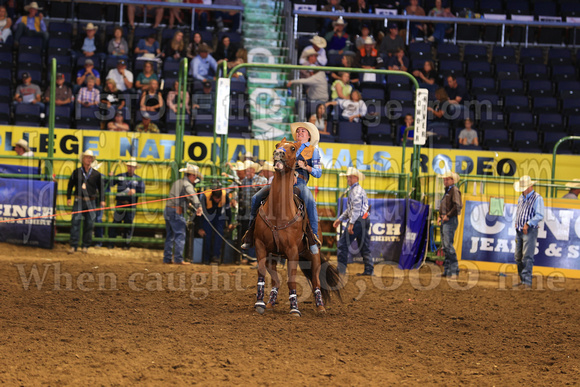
(308,234)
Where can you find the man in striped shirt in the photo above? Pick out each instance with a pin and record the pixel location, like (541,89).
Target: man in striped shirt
(89,95)
(358,224)
(529,213)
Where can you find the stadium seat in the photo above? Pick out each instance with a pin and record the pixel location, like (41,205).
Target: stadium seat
(475,53)
(521,121)
(5,59)
(440,132)
(518,7)
(494,138)
(239,124)
(490,119)
(516,103)
(491,100)
(507,71)
(26,114)
(29,62)
(90,11)
(450,67)
(565,72)
(551,138)
(482,85)
(567,89)
(350,132)
(447,51)
(31,45)
(379,134)
(59,46)
(203,124)
(540,88)
(530,55)
(570,8)
(60,30)
(398,82)
(5,76)
(571,106)
(503,55)
(573,124)
(421,47)
(372,93)
(545,8)
(4,113)
(545,105)
(550,122)
(62,116)
(6,94)
(86,118)
(535,71)
(559,56)
(491,6)
(479,69)
(511,87)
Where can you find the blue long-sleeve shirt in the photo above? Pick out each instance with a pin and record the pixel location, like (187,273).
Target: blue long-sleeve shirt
(357,204)
(530,210)
(200,67)
(30,23)
(125,183)
(314,162)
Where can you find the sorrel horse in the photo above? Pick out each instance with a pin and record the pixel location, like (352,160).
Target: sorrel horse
(279,230)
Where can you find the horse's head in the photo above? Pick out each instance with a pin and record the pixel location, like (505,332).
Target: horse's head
(285,155)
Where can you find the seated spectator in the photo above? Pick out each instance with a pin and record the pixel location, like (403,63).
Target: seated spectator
(332,6)
(427,76)
(414,9)
(311,57)
(31,24)
(225,50)
(131,10)
(232,17)
(360,39)
(338,40)
(193,46)
(89,95)
(348,62)
(146,76)
(317,86)
(241,57)
(122,77)
(118,124)
(172,99)
(368,58)
(63,95)
(146,126)
(118,45)
(5,24)
(319,119)
(203,66)
(111,99)
(440,29)
(353,109)
(409,120)
(439,107)
(456,95)
(318,45)
(22,149)
(341,88)
(88,45)
(175,48)
(398,61)
(87,71)
(148,47)
(200,16)
(28,92)
(392,41)
(204,102)
(152,100)
(468,136)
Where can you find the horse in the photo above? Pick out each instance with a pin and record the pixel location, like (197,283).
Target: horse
(279,230)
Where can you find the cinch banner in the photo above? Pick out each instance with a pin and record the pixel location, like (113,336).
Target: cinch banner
(398,232)
(488,238)
(25,199)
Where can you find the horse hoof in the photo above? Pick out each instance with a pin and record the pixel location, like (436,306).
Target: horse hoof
(260,307)
(295,313)
(321,310)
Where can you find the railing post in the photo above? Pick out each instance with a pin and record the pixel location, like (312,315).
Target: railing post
(180,119)
(51,107)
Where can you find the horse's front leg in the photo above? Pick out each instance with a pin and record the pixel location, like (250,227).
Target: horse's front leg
(271,266)
(260,306)
(292,255)
(316,266)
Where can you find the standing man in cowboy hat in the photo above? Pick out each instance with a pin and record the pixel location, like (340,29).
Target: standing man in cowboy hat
(129,185)
(529,213)
(252,184)
(310,55)
(449,211)
(307,164)
(31,24)
(22,149)
(88,186)
(574,189)
(216,220)
(182,192)
(203,66)
(356,215)
(318,45)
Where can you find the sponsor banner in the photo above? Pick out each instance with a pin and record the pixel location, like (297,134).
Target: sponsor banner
(19,169)
(487,238)
(397,232)
(24,199)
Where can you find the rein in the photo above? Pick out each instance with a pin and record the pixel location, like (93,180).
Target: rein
(299,215)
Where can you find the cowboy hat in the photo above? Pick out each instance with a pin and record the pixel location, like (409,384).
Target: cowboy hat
(340,22)
(523,184)
(132,163)
(352,171)
(88,153)
(318,41)
(452,175)
(268,166)
(312,129)
(369,40)
(33,5)
(574,184)
(308,52)
(250,164)
(191,169)
(238,166)
(23,144)
(90,27)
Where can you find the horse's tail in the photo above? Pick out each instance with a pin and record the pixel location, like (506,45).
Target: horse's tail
(330,281)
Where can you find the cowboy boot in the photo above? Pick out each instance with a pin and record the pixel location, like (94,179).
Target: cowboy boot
(248,237)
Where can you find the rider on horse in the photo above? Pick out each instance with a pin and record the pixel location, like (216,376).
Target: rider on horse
(307,164)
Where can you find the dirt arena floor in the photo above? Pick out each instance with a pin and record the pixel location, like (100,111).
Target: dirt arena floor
(123,318)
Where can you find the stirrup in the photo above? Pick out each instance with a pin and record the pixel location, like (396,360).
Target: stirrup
(246,246)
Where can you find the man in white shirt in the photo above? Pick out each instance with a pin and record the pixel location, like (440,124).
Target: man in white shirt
(21,148)
(122,77)
(318,45)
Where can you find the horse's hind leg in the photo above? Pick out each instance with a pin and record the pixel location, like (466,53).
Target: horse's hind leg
(316,266)
(271,266)
(260,306)
(292,256)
